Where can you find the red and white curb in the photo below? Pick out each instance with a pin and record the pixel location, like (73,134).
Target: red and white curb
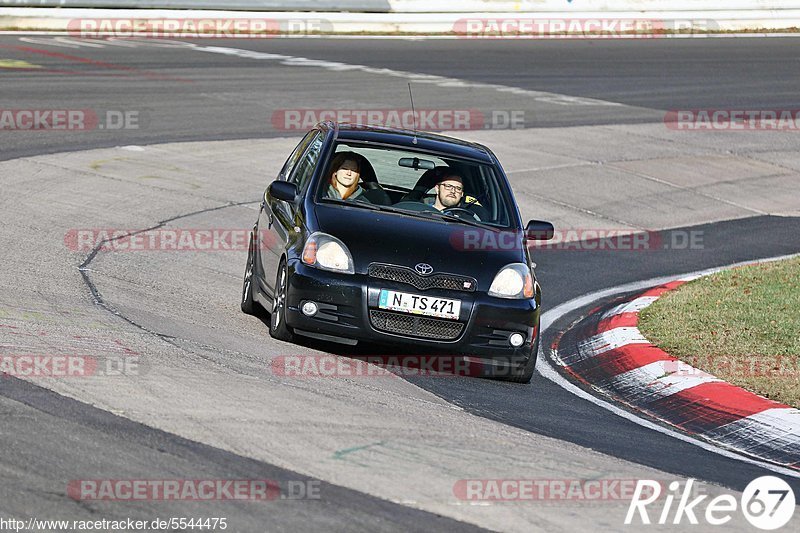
(613,357)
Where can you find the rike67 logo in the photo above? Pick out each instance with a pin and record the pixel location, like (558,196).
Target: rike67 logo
(767,503)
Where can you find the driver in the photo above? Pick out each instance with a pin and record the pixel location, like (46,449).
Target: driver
(449,191)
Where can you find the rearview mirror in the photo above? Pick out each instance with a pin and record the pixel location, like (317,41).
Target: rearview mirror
(539,230)
(283,190)
(416,163)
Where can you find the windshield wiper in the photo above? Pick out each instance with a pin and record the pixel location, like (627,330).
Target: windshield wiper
(453,218)
(375,207)
(417,214)
(351,204)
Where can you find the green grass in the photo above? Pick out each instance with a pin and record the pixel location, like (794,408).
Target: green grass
(742,325)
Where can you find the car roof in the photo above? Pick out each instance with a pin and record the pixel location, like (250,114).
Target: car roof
(419,140)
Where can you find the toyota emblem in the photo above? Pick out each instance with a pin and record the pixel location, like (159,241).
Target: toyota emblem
(423,269)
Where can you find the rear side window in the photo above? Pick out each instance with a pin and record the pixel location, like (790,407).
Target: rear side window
(288,167)
(308,162)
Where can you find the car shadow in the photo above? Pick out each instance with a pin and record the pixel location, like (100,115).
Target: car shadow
(415,364)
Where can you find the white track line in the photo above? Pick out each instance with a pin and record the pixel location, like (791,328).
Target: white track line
(441,81)
(548,371)
(338,66)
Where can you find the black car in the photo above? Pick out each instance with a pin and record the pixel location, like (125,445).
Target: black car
(395,262)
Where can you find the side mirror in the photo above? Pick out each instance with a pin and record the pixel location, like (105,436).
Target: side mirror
(283,190)
(539,230)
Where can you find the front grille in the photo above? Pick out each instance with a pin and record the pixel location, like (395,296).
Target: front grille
(400,274)
(415,326)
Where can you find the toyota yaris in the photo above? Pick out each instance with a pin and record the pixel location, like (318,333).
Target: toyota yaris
(393,236)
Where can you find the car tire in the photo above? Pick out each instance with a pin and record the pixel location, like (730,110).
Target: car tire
(524,373)
(249,305)
(277,319)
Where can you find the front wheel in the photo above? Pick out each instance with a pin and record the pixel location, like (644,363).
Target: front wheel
(277,322)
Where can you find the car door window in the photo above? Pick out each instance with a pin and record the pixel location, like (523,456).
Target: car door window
(308,162)
(290,164)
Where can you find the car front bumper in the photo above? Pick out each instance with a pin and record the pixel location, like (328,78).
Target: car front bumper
(348,309)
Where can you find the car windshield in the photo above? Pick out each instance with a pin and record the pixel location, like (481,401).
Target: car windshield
(416,183)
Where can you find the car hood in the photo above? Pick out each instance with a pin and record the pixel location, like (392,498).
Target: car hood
(375,237)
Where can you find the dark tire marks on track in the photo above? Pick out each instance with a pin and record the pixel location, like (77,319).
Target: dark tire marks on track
(59,439)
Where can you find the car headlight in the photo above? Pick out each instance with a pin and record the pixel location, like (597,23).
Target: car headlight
(514,281)
(328,253)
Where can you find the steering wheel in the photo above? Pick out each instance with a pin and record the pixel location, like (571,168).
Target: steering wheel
(457,211)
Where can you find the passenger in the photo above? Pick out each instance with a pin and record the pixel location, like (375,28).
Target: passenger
(345,173)
(449,191)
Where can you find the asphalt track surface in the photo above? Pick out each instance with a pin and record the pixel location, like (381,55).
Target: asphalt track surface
(212,97)
(199,96)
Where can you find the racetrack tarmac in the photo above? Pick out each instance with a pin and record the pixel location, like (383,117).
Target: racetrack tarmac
(389,451)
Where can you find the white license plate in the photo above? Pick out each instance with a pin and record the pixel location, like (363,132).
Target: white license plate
(419,305)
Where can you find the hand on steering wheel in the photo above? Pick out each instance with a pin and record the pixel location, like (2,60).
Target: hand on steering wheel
(457,211)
